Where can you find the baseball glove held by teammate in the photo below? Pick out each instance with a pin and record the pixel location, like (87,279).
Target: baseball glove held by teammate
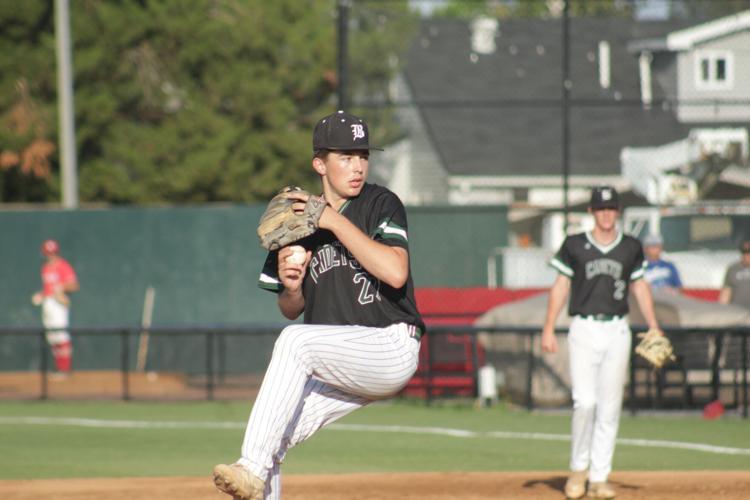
(280,225)
(655,348)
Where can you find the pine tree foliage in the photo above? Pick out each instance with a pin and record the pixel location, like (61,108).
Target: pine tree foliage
(178,101)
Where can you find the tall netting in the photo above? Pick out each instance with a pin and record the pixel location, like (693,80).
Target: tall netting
(531,103)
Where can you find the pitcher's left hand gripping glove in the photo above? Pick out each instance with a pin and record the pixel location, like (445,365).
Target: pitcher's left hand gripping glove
(280,225)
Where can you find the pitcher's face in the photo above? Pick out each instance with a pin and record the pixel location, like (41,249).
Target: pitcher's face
(344,173)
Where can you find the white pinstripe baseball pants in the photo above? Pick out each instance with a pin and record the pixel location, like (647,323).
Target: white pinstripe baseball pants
(318,374)
(599,355)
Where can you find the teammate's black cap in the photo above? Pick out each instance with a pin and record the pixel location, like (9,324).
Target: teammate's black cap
(604,197)
(745,246)
(341,131)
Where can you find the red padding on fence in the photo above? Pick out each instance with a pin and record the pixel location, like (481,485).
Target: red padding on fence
(461,306)
(452,306)
(709,294)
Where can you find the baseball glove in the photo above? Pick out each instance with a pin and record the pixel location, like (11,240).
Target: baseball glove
(280,225)
(655,348)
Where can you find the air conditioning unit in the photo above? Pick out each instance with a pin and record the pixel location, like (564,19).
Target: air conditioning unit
(673,189)
(676,173)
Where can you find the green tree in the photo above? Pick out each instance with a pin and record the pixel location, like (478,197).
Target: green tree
(532,8)
(27,92)
(179,101)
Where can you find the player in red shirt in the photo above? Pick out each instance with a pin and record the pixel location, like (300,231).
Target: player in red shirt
(58,280)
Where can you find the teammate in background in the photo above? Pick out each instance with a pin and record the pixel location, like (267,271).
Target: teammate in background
(597,269)
(660,274)
(58,280)
(736,288)
(360,338)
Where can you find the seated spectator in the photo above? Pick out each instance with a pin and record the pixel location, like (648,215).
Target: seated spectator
(660,274)
(736,288)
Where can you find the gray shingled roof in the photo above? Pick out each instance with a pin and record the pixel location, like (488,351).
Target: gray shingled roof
(499,115)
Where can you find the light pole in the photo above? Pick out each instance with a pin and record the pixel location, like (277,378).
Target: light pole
(343,70)
(66,109)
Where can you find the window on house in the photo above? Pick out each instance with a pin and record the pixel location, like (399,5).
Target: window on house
(721,70)
(713,70)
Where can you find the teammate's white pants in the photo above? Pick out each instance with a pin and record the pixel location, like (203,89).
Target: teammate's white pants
(599,355)
(55,317)
(318,374)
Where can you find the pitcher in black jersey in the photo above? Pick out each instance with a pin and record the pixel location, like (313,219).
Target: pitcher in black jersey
(359,341)
(597,269)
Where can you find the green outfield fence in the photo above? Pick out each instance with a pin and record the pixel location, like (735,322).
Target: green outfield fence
(214,353)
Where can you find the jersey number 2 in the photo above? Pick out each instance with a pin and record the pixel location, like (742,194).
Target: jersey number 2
(619,289)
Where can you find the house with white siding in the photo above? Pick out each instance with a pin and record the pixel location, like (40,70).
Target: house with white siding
(486,125)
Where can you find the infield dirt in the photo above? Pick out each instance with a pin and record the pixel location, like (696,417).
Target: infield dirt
(682,485)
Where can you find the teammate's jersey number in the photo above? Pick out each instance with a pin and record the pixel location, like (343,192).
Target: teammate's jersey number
(619,290)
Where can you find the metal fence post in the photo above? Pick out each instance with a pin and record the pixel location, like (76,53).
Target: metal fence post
(475,362)
(222,357)
(43,364)
(428,371)
(631,389)
(125,337)
(530,374)
(715,374)
(209,367)
(744,374)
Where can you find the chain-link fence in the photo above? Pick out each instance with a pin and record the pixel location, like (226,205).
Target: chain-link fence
(530,103)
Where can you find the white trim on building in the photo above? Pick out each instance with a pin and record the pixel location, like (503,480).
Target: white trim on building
(688,38)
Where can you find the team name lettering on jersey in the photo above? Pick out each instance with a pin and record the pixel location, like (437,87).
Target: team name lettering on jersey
(336,255)
(603,266)
(330,256)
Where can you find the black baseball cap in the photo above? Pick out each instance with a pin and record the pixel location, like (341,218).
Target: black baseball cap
(341,131)
(745,246)
(604,197)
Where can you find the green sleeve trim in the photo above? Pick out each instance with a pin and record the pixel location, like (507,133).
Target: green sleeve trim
(269,283)
(388,230)
(638,273)
(561,268)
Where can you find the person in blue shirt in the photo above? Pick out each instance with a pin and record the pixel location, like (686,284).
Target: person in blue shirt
(660,274)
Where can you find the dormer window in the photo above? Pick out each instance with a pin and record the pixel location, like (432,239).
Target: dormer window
(713,70)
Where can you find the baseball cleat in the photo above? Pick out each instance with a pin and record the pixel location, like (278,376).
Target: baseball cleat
(237,481)
(575,486)
(601,490)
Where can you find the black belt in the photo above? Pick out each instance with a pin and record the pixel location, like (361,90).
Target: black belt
(601,317)
(415,332)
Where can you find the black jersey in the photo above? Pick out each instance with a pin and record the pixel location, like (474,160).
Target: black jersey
(600,274)
(337,289)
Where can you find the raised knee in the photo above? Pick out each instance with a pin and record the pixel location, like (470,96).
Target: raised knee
(287,337)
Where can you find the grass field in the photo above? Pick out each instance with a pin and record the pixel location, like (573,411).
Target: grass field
(118,439)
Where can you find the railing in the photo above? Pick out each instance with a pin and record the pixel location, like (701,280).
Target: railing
(713,339)
(215,355)
(214,351)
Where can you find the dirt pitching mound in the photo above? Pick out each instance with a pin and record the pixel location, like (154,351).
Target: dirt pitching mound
(693,485)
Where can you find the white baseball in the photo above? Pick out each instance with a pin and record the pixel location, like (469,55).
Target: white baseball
(298,255)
